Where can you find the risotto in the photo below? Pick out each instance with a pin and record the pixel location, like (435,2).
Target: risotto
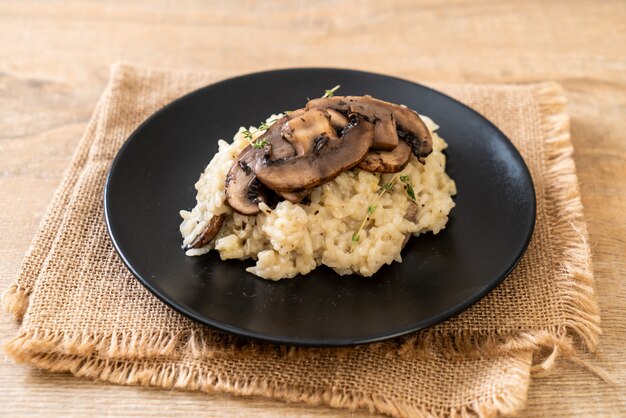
(355,223)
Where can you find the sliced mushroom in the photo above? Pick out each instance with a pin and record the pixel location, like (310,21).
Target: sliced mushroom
(295,197)
(385,134)
(244,192)
(411,216)
(242,187)
(378,161)
(303,149)
(309,132)
(206,236)
(321,165)
(290,114)
(411,212)
(277,147)
(409,125)
(338,120)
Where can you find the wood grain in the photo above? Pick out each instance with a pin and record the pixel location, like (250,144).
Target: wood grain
(54,62)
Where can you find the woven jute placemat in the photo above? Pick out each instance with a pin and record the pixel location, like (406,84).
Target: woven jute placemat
(83,312)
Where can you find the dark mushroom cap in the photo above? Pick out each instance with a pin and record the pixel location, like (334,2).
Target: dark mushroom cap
(244,192)
(277,147)
(410,126)
(379,161)
(325,163)
(295,197)
(242,187)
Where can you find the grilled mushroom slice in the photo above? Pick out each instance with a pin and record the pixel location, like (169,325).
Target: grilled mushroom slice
(242,186)
(243,190)
(295,197)
(277,146)
(378,161)
(408,123)
(385,134)
(290,114)
(211,230)
(324,163)
(309,132)
(338,120)
(303,149)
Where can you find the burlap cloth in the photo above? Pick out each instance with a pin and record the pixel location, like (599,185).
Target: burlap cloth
(83,312)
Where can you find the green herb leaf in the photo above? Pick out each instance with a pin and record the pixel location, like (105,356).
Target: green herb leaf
(259,144)
(331,92)
(410,192)
(264,126)
(247,134)
(371,209)
(409,189)
(388,186)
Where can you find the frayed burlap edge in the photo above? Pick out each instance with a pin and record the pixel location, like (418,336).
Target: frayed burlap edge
(15,299)
(568,230)
(186,376)
(77,354)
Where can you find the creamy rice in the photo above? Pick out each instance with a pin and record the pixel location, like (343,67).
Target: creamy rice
(293,239)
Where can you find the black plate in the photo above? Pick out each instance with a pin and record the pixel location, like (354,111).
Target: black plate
(153,177)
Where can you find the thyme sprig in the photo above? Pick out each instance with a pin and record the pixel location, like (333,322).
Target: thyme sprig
(327,93)
(249,135)
(387,187)
(330,92)
(409,189)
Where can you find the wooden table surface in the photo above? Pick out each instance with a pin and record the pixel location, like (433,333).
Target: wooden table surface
(54,63)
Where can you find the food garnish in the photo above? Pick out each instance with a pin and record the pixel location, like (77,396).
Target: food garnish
(356,236)
(313,145)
